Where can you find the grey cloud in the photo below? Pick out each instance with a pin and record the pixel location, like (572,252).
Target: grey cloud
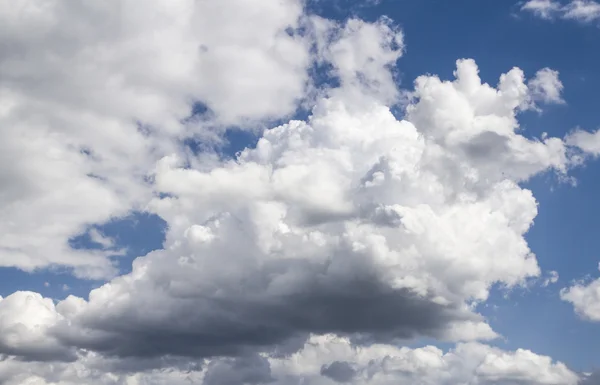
(487,145)
(212,326)
(252,369)
(339,371)
(39,351)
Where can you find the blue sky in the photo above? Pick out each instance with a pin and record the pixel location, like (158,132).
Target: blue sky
(499,36)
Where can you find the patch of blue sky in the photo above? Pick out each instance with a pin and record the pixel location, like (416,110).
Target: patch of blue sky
(138,234)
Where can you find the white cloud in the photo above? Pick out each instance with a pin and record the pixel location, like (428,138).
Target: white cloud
(101,239)
(551,278)
(362,55)
(350,208)
(351,223)
(585,298)
(25,319)
(546,86)
(76,89)
(470,363)
(588,142)
(584,11)
(323,360)
(542,8)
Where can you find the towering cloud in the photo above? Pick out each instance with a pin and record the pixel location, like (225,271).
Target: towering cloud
(309,257)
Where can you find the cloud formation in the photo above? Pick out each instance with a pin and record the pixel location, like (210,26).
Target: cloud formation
(95,95)
(310,257)
(350,210)
(323,360)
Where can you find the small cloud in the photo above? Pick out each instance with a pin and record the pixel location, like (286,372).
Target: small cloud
(65,287)
(46,284)
(583,11)
(587,142)
(101,239)
(546,87)
(551,278)
(544,9)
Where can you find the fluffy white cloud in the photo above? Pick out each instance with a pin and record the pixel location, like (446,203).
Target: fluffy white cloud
(585,298)
(412,219)
(588,142)
(95,94)
(294,260)
(25,318)
(471,363)
(362,55)
(584,11)
(546,86)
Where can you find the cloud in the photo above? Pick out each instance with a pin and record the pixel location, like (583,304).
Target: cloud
(470,363)
(323,360)
(307,258)
(584,11)
(363,56)
(339,371)
(551,278)
(25,318)
(100,239)
(546,86)
(242,370)
(545,9)
(585,298)
(96,94)
(588,142)
(352,209)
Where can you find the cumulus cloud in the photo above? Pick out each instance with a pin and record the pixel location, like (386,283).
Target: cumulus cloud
(362,55)
(95,94)
(351,210)
(469,363)
(588,142)
(585,298)
(307,258)
(25,318)
(546,86)
(584,11)
(323,360)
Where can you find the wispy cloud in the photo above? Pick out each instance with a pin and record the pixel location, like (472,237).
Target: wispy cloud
(584,11)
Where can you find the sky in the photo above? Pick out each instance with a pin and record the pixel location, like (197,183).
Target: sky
(310,192)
